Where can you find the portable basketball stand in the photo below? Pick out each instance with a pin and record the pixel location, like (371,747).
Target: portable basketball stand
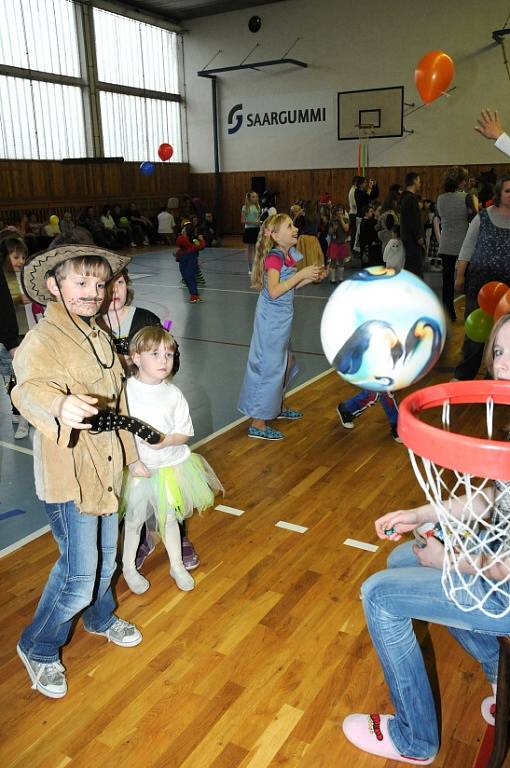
(212,75)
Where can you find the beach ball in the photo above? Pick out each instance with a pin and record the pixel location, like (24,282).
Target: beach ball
(123,221)
(383,329)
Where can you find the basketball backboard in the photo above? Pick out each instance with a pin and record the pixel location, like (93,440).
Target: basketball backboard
(375,113)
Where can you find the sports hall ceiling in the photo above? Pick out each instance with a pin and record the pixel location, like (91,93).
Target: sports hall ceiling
(182,10)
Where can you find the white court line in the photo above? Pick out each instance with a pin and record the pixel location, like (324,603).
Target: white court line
(41,531)
(361,545)
(135,276)
(23,541)
(291,526)
(235,423)
(229,510)
(232,290)
(18,448)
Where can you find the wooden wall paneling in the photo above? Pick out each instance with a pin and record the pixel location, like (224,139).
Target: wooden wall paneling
(308,184)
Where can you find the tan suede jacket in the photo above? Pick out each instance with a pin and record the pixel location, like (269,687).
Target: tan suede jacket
(54,359)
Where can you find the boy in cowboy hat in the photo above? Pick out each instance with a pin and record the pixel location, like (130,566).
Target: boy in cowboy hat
(67,368)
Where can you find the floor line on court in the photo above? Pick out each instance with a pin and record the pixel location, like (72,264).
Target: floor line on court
(240,344)
(232,290)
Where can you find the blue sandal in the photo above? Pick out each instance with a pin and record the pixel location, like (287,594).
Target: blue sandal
(288,413)
(265,434)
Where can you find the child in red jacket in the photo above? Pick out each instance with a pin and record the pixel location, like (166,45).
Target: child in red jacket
(187,256)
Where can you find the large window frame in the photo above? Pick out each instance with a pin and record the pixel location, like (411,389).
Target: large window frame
(91,87)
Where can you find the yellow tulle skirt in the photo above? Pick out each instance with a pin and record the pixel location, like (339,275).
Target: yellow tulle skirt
(178,490)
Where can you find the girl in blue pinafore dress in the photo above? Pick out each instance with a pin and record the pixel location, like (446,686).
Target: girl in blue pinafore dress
(270,362)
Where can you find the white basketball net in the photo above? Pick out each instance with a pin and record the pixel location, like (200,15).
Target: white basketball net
(474,519)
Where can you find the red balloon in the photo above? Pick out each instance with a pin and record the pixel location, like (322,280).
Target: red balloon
(165,151)
(490,294)
(433,74)
(503,307)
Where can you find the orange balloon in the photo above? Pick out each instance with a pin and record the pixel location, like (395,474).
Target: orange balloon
(433,74)
(490,294)
(503,307)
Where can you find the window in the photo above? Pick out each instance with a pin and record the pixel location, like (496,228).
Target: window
(45,110)
(152,60)
(39,120)
(40,36)
(134,126)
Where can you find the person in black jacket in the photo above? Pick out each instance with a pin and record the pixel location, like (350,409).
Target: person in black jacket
(411,225)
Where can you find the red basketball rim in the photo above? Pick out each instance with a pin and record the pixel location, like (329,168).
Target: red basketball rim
(475,456)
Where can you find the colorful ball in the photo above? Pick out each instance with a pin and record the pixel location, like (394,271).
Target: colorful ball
(54,220)
(123,221)
(383,330)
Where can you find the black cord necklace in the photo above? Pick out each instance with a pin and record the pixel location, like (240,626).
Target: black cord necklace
(105,366)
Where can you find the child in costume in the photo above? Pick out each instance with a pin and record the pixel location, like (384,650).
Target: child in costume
(67,368)
(176,481)
(338,253)
(187,257)
(270,362)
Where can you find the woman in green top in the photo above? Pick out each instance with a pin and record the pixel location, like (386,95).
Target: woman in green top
(250,219)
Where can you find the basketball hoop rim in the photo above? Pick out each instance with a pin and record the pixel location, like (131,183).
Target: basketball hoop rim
(475,456)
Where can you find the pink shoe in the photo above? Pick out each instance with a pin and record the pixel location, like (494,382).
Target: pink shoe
(488,708)
(370,733)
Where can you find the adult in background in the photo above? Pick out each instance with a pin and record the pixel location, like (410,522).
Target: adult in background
(485,250)
(250,219)
(452,208)
(353,210)
(411,225)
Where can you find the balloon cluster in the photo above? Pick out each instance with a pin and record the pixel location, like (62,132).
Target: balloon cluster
(165,152)
(433,74)
(493,302)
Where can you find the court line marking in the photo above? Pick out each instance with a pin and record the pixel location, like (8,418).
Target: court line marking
(229,510)
(236,423)
(41,531)
(232,290)
(18,448)
(291,526)
(361,545)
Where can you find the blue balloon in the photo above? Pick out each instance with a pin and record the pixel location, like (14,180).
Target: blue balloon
(147,168)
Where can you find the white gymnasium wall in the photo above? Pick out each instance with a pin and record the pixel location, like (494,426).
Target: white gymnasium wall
(347,46)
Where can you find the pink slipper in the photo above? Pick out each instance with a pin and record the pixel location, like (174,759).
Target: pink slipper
(370,733)
(488,708)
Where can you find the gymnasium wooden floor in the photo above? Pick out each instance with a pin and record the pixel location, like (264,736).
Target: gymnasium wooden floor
(260,663)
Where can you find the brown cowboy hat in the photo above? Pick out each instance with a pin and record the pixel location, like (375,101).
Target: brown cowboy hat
(36,268)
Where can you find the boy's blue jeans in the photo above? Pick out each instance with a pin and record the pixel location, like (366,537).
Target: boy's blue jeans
(188,265)
(80,579)
(391,599)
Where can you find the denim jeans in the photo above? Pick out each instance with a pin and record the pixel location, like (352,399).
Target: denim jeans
(391,599)
(80,579)
(188,265)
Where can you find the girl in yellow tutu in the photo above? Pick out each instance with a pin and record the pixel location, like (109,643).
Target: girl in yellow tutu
(176,481)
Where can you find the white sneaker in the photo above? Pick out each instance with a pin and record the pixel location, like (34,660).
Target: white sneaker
(136,582)
(47,678)
(182,578)
(22,430)
(121,633)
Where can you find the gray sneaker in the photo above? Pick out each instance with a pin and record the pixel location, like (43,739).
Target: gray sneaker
(121,633)
(47,677)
